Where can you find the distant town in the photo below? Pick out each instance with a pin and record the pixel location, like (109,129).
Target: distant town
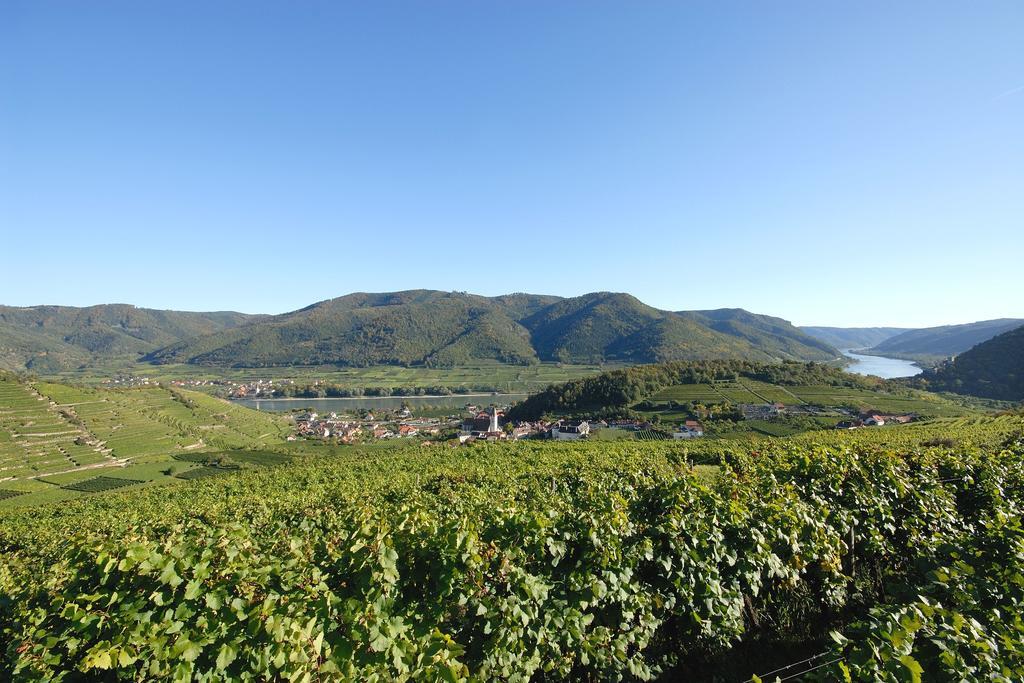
(478,423)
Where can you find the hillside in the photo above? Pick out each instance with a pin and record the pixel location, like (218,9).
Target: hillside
(54,437)
(937,343)
(53,338)
(417,327)
(992,369)
(776,337)
(853,337)
(662,389)
(445,329)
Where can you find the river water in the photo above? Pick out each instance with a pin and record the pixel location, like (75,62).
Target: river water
(456,402)
(880,366)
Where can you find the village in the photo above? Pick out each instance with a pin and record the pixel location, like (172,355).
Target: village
(476,424)
(489,423)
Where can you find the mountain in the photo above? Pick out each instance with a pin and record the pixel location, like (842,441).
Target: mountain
(936,343)
(417,327)
(992,369)
(853,337)
(776,337)
(425,327)
(610,326)
(52,338)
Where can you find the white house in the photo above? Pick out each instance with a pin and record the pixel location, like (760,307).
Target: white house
(690,429)
(570,431)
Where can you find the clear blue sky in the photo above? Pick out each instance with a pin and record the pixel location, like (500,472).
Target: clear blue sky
(831,163)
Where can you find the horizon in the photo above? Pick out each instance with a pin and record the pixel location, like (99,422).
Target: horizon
(843,166)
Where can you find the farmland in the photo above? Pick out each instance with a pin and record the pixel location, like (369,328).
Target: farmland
(596,561)
(37,438)
(58,441)
(183,555)
(823,395)
(489,376)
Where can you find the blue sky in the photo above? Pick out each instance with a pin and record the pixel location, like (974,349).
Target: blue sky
(830,163)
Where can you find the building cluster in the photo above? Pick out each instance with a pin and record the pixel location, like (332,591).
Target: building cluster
(569,430)
(492,425)
(480,424)
(349,430)
(260,388)
(128,381)
(186,383)
(691,429)
(762,411)
(875,418)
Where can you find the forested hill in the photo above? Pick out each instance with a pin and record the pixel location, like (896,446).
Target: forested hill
(441,329)
(617,389)
(936,343)
(853,337)
(992,369)
(52,338)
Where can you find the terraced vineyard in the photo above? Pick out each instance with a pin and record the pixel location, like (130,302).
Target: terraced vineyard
(53,436)
(37,438)
(137,423)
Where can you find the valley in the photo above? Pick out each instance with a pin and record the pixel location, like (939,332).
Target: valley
(511,342)
(406,493)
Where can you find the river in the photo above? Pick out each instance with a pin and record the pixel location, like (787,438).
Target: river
(455,402)
(880,366)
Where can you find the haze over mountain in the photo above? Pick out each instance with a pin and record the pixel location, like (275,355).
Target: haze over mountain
(853,337)
(432,328)
(993,369)
(936,343)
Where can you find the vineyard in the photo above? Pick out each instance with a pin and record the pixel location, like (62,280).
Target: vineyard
(753,391)
(894,555)
(36,438)
(55,439)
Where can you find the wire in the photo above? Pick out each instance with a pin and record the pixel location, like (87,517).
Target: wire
(807,671)
(790,666)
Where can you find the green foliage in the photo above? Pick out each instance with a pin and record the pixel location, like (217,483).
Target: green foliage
(623,388)
(98,484)
(206,471)
(601,561)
